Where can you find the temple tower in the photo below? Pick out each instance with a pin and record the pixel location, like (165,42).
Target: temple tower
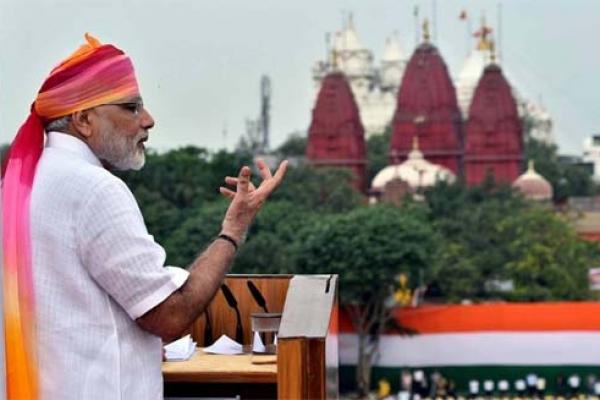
(427,108)
(493,132)
(336,137)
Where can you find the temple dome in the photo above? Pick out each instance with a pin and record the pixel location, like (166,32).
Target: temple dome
(533,186)
(393,51)
(352,57)
(392,65)
(415,171)
(493,135)
(336,136)
(426,107)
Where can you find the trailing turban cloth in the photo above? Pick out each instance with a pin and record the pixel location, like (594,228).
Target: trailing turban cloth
(95,74)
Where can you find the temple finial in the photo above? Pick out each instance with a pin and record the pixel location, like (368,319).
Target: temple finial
(531,166)
(483,33)
(492,52)
(415,142)
(334,65)
(426,30)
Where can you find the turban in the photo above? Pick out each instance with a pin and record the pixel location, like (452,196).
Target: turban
(93,75)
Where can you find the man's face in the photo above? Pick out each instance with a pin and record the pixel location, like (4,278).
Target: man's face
(121,132)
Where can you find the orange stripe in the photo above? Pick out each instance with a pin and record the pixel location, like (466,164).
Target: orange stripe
(519,317)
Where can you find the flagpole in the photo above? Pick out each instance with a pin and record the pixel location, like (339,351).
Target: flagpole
(499,38)
(434,17)
(416,15)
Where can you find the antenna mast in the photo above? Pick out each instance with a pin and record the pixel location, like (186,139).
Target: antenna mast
(265,106)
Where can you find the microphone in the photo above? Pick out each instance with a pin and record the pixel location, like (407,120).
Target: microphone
(260,300)
(239,333)
(208,338)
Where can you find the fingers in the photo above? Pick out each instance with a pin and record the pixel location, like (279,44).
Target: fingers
(243,181)
(243,184)
(263,168)
(227,192)
(230,180)
(281,170)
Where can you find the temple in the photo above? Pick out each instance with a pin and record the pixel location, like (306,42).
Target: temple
(493,131)
(469,130)
(427,109)
(336,137)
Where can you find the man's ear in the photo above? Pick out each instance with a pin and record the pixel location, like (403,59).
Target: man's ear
(83,122)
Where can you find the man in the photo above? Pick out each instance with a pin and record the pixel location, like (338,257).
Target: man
(102,300)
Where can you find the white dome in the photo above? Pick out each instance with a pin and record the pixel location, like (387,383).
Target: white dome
(392,68)
(533,186)
(347,40)
(415,171)
(393,51)
(352,57)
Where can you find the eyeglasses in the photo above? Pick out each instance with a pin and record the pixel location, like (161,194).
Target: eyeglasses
(135,107)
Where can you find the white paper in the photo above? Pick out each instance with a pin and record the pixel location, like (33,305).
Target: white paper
(225,345)
(181,349)
(257,345)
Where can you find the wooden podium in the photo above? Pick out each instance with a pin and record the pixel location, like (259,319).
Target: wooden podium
(306,365)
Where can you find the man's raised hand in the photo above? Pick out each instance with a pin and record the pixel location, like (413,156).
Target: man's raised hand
(247,199)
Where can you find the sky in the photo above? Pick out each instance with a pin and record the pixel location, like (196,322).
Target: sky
(199,62)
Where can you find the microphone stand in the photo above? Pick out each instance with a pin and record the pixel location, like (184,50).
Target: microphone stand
(239,333)
(208,338)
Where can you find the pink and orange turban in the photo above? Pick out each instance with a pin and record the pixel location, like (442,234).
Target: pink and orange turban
(93,75)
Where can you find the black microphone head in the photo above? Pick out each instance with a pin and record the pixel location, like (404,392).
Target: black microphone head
(256,294)
(228,296)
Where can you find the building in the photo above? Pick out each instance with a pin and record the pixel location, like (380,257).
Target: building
(485,138)
(375,84)
(336,137)
(374,87)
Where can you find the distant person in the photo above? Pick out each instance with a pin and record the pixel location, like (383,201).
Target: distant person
(79,264)
(473,388)
(531,380)
(574,382)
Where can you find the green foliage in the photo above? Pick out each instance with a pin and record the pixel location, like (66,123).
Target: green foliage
(271,243)
(367,247)
(461,238)
(566,179)
(378,149)
(295,145)
(4,150)
(490,233)
(188,240)
(326,190)
(545,259)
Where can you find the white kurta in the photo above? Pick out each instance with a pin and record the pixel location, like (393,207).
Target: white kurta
(96,269)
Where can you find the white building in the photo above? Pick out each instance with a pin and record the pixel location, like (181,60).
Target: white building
(591,153)
(375,88)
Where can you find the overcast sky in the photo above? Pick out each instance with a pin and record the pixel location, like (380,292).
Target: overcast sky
(199,62)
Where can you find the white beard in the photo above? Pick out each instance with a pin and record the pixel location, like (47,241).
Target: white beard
(119,151)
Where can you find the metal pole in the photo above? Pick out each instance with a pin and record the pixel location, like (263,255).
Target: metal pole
(499,40)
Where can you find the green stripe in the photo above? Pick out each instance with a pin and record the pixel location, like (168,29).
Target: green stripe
(461,375)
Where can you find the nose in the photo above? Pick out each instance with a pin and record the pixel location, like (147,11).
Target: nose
(146,120)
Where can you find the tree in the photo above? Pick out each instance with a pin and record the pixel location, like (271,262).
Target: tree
(295,145)
(489,234)
(368,247)
(195,232)
(325,190)
(270,248)
(545,259)
(378,148)
(566,179)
